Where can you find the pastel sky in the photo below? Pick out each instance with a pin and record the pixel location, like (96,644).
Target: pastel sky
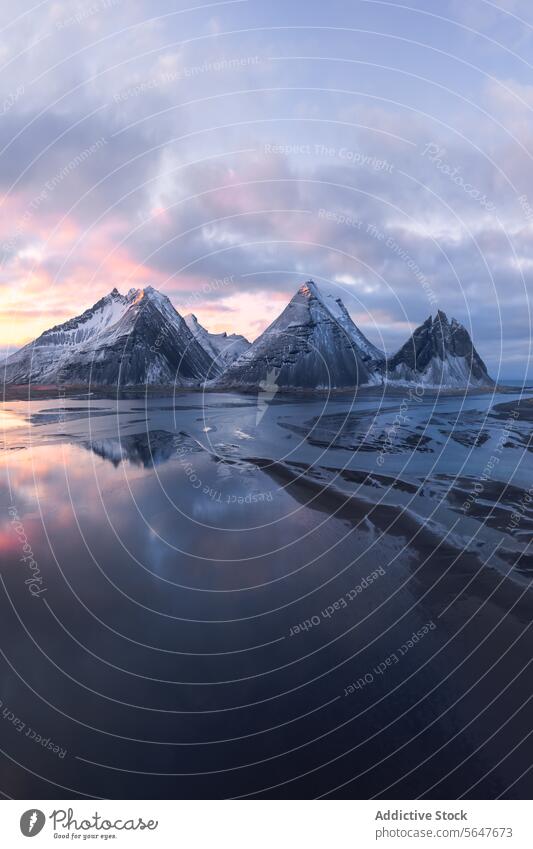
(224,152)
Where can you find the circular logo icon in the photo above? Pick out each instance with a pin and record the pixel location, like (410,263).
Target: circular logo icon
(32,822)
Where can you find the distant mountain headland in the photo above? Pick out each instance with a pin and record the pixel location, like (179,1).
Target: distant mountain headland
(140,339)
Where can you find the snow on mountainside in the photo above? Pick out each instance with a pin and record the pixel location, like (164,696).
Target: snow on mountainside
(223,348)
(106,312)
(313,344)
(440,353)
(137,338)
(140,338)
(368,352)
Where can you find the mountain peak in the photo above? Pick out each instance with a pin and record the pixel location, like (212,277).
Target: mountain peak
(439,353)
(312,344)
(223,349)
(309,289)
(134,339)
(147,293)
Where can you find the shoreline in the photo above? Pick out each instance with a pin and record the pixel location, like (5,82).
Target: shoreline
(45,392)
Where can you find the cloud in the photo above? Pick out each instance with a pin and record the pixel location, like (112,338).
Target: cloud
(159,147)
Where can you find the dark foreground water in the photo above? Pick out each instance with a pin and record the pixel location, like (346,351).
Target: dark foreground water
(219,597)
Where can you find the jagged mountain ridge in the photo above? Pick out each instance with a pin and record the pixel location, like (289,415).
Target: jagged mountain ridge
(140,338)
(132,339)
(313,344)
(223,348)
(439,353)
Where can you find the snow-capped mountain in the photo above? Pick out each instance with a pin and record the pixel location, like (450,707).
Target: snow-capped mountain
(223,348)
(313,344)
(440,353)
(140,338)
(132,339)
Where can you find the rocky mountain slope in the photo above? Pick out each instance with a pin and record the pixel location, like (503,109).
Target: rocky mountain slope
(313,344)
(140,339)
(132,339)
(223,348)
(440,353)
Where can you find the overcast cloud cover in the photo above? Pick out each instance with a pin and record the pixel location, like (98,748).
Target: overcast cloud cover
(225,152)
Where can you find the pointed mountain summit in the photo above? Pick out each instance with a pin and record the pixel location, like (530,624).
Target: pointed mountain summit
(313,344)
(439,353)
(223,348)
(132,339)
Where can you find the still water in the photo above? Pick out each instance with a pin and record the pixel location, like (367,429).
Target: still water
(215,596)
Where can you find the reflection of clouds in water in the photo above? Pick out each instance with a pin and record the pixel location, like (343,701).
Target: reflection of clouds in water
(10,419)
(206,573)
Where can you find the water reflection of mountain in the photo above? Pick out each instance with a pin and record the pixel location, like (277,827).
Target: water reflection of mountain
(150,448)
